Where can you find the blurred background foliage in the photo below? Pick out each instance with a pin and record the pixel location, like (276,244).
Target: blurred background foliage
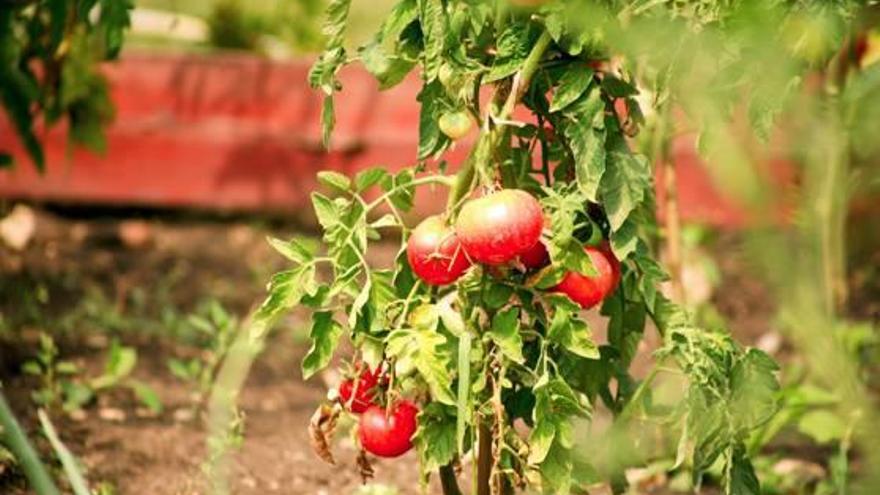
(753,80)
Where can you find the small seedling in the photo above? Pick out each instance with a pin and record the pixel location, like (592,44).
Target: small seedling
(215,329)
(62,386)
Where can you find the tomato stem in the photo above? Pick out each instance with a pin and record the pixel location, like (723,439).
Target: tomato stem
(489,138)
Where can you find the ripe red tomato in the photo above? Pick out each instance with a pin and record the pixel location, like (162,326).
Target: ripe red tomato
(435,253)
(388,435)
(589,291)
(363,394)
(499,227)
(535,257)
(455,124)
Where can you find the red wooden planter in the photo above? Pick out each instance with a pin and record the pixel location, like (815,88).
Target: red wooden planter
(240,133)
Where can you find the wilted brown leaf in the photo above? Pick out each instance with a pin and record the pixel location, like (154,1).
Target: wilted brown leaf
(321,428)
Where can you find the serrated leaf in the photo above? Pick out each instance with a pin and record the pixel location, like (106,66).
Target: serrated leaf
(431,139)
(435,437)
(334,180)
(572,334)
(556,470)
(325,335)
(505,333)
(585,132)
(432,16)
(421,349)
(742,478)
(626,180)
(572,84)
(753,389)
(540,441)
(512,48)
(115,18)
(294,250)
(325,210)
(370,177)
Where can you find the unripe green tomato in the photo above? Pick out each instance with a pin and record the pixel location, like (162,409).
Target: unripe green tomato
(446,75)
(455,124)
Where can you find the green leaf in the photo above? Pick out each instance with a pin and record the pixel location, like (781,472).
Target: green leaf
(742,479)
(404,191)
(325,336)
(6,160)
(180,369)
(18,96)
(574,82)
(432,16)
(334,180)
(115,18)
(66,368)
(32,368)
(146,395)
(496,295)
(325,210)
(556,470)
(431,139)
(370,177)
(388,69)
(420,348)
(121,361)
(286,289)
(294,250)
(541,440)
(335,21)
(76,395)
(572,334)
(505,334)
(585,132)
(624,185)
(822,425)
(618,88)
(753,389)
(513,46)
(435,437)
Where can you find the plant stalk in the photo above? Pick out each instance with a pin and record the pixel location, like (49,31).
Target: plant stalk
(484,459)
(465,177)
(672,219)
(448,480)
(14,438)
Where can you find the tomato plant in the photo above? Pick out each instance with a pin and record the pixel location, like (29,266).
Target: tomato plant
(500,361)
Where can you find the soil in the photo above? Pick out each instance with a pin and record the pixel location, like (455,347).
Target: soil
(87,278)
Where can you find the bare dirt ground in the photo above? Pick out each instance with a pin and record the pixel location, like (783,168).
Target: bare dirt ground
(85,278)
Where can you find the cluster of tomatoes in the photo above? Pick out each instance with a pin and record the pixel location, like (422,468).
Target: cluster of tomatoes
(385,432)
(501,228)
